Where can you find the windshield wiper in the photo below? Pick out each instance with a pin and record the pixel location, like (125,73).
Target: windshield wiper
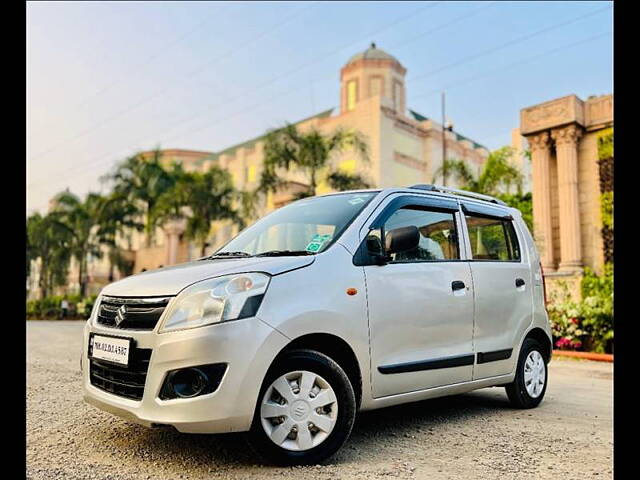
(283,253)
(229,254)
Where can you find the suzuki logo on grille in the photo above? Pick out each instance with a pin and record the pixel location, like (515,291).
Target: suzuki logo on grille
(121,312)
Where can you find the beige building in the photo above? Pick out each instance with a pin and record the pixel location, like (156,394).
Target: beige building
(405,148)
(566,185)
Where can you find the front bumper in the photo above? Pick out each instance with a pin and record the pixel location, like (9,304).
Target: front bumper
(248,346)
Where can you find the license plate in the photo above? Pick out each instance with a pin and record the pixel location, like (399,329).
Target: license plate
(110,349)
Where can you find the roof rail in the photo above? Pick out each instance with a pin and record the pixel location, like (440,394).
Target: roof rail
(456,191)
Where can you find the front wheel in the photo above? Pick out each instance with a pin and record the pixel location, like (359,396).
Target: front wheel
(305,410)
(530,384)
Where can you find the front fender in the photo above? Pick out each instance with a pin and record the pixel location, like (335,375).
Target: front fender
(314,299)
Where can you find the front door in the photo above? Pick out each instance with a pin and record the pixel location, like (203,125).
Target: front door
(420,301)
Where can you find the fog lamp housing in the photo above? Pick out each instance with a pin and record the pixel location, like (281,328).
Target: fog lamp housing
(191,382)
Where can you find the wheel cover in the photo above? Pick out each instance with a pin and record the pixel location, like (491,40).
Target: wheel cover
(299,410)
(535,374)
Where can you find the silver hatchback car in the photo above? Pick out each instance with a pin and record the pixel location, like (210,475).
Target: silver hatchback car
(330,305)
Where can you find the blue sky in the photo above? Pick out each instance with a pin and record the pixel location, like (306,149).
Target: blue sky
(105,79)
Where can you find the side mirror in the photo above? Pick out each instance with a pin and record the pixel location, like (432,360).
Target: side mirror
(402,239)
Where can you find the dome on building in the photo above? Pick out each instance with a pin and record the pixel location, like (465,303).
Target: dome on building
(372,53)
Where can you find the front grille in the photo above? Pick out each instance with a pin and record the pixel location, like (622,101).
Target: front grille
(124,381)
(131,313)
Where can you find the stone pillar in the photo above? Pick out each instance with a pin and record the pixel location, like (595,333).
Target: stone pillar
(173,229)
(566,139)
(540,158)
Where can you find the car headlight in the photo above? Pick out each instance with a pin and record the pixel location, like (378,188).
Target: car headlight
(230,297)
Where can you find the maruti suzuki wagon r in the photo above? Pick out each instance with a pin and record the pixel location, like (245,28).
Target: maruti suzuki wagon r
(330,305)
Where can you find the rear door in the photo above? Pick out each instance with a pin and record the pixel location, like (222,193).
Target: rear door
(502,285)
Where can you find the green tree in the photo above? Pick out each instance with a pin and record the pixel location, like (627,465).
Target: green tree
(287,148)
(247,202)
(497,173)
(521,201)
(342,181)
(200,198)
(446,170)
(81,217)
(49,240)
(143,181)
(117,217)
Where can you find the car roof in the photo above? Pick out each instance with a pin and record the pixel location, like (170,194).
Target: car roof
(436,190)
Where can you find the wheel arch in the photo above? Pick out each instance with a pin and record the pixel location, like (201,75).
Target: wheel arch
(334,347)
(541,336)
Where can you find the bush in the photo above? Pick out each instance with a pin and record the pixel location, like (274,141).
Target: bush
(85,306)
(588,324)
(49,308)
(523,202)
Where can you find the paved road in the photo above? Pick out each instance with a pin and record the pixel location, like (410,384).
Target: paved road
(469,436)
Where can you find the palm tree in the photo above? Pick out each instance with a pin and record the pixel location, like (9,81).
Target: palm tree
(246,207)
(497,172)
(142,181)
(117,217)
(311,152)
(81,218)
(200,198)
(342,181)
(445,170)
(49,240)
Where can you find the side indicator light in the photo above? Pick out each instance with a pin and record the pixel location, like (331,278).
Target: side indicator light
(351,291)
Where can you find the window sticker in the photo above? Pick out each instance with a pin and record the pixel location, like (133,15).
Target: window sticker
(356,200)
(317,242)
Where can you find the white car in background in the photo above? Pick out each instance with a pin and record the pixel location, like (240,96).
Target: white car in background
(330,305)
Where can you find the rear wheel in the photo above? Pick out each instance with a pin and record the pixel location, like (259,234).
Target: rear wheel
(528,388)
(305,410)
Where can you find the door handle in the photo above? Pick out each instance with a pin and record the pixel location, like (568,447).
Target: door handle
(519,282)
(457,285)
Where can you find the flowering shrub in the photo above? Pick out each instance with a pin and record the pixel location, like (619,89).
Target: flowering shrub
(588,324)
(565,324)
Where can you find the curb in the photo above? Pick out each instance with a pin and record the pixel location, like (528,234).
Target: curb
(597,357)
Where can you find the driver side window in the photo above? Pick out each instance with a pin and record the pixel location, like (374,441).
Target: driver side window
(438,236)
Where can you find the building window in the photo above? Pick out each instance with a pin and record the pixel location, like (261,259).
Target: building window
(375,86)
(397,95)
(252,173)
(348,166)
(352,94)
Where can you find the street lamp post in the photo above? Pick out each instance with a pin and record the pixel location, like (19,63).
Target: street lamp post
(444,146)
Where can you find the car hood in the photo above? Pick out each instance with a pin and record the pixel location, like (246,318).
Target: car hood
(169,281)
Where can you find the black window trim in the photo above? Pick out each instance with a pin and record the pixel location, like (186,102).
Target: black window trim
(484,211)
(481,211)
(362,257)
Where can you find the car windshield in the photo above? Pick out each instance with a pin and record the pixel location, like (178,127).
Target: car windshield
(304,227)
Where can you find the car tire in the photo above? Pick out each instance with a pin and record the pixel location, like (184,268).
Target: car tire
(335,419)
(530,384)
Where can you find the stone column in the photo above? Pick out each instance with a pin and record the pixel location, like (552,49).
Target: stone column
(566,140)
(541,182)
(173,229)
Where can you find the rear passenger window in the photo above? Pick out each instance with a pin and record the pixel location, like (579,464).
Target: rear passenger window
(438,237)
(492,239)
